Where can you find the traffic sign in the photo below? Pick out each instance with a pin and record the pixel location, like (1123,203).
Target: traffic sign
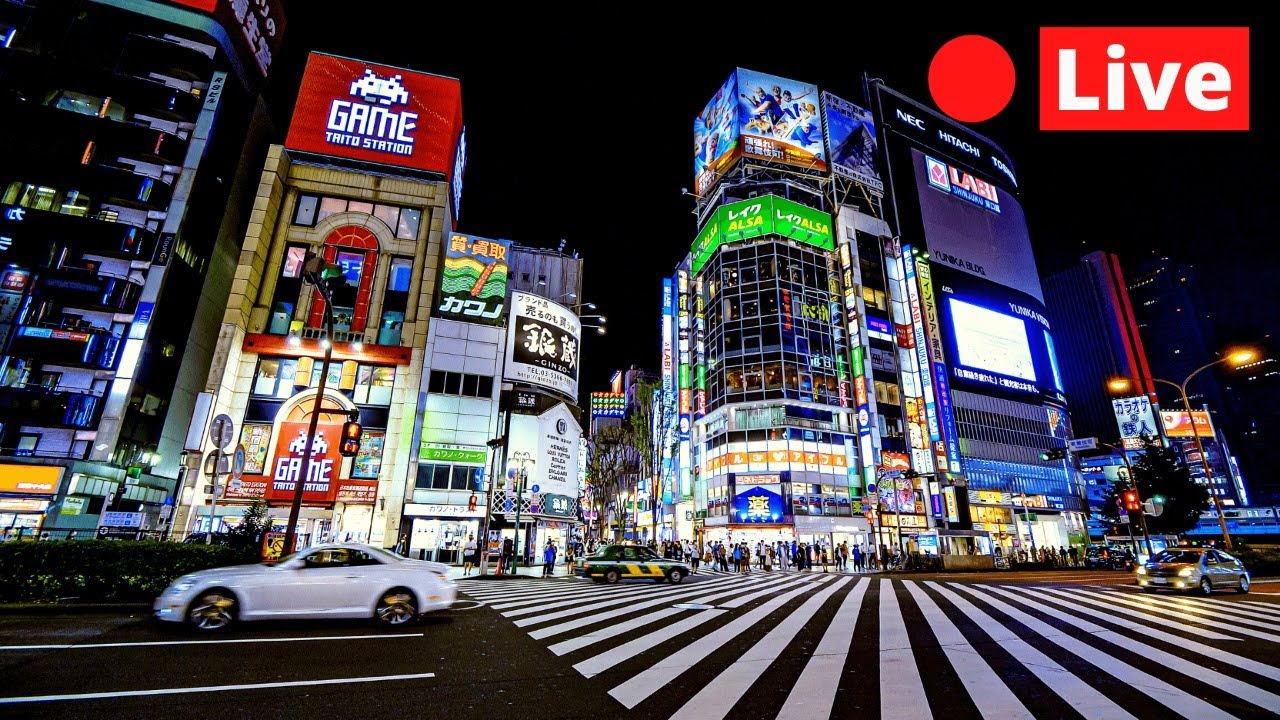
(221,431)
(237,462)
(1078,444)
(536,488)
(222,460)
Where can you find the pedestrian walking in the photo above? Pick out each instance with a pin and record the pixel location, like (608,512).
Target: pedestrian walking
(548,559)
(1074,554)
(508,554)
(857,558)
(694,560)
(468,555)
(823,553)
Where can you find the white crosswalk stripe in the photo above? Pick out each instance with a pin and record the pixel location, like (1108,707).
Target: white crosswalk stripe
(706,650)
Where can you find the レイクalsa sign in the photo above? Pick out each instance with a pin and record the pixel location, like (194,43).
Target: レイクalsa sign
(376,113)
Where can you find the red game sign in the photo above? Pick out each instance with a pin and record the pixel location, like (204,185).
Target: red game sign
(326,463)
(377,113)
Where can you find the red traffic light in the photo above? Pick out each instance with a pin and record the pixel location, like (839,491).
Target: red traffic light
(351,433)
(471,504)
(1131,500)
(871,516)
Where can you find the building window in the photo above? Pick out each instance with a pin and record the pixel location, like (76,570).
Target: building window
(373,385)
(395,300)
(401,221)
(305,213)
(462,384)
(443,476)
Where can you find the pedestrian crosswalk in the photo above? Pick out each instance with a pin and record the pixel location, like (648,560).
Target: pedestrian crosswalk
(809,646)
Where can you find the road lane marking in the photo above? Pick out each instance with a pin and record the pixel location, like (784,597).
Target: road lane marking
(901,689)
(1145,603)
(989,693)
(1186,628)
(814,694)
(717,698)
(210,688)
(1177,700)
(633,691)
(1232,659)
(595,665)
(1076,692)
(1197,671)
(155,643)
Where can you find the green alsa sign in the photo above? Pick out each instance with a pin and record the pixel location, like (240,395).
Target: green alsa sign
(757,217)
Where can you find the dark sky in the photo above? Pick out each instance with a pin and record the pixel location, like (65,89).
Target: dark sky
(587,136)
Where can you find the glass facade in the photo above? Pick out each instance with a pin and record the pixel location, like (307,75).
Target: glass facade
(771,330)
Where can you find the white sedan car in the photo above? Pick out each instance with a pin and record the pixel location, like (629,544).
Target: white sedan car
(326,581)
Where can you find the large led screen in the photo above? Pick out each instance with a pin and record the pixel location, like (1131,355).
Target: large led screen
(989,340)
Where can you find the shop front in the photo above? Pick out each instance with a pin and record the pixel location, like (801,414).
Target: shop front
(439,531)
(830,532)
(26,492)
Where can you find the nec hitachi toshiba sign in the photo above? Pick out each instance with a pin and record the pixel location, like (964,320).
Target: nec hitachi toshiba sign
(375,113)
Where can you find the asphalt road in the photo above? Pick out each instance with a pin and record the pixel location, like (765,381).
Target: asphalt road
(1049,645)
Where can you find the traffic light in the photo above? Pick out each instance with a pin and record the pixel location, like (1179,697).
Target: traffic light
(1054,454)
(871,516)
(471,504)
(324,275)
(1131,502)
(351,432)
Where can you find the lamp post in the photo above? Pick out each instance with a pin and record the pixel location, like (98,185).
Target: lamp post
(1237,358)
(524,458)
(316,272)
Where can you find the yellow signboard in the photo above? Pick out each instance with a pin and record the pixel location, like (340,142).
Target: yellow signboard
(32,479)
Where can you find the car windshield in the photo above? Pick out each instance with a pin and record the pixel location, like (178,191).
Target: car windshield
(1177,556)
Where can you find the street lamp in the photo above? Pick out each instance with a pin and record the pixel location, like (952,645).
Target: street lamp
(1235,358)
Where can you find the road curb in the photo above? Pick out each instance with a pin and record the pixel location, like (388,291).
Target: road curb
(72,608)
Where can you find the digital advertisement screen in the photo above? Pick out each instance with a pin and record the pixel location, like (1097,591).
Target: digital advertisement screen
(995,338)
(991,341)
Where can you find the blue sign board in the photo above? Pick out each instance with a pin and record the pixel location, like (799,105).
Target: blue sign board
(758,505)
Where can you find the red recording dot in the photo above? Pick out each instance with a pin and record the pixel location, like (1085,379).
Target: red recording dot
(971,78)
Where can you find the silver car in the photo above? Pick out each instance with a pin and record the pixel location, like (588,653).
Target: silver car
(1195,569)
(346,580)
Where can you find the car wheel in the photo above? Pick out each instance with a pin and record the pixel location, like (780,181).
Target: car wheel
(396,607)
(1244,584)
(1206,588)
(214,610)
(675,576)
(611,576)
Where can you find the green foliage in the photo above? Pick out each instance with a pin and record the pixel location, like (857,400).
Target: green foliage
(104,570)
(1260,562)
(247,536)
(1159,471)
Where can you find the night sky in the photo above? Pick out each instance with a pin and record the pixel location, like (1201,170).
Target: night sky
(588,137)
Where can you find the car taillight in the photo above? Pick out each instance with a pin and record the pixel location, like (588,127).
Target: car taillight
(586,565)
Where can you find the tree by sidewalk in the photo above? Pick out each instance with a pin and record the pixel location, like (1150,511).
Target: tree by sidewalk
(610,458)
(652,405)
(1158,470)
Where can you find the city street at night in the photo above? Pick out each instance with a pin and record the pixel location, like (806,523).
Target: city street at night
(762,646)
(402,360)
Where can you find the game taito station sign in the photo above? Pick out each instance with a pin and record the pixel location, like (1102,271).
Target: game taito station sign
(765,215)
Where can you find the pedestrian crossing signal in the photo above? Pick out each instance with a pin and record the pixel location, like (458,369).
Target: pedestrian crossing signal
(471,504)
(351,432)
(1131,502)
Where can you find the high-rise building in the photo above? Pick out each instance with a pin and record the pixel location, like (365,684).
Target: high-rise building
(364,184)
(856,366)
(1177,328)
(125,194)
(1089,305)
(990,389)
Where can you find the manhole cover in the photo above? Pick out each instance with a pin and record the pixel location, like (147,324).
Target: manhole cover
(694,606)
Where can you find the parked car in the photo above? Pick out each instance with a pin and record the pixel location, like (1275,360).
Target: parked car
(1103,557)
(1194,569)
(345,580)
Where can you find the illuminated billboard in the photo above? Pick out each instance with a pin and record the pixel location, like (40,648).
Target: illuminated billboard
(255,28)
(1135,418)
(545,447)
(377,114)
(851,141)
(993,341)
(543,344)
(759,116)
(759,216)
(473,279)
(995,337)
(1178,424)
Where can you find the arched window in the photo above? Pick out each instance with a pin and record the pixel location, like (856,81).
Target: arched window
(355,248)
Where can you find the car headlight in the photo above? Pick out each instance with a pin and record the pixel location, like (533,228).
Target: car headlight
(182,585)
(1185,572)
(1142,570)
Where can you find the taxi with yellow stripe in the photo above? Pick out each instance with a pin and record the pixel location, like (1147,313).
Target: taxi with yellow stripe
(613,563)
